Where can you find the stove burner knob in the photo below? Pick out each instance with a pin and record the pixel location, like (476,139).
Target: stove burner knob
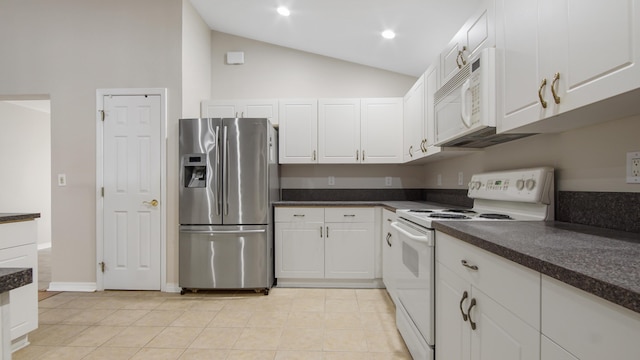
(520,184)
(530,184)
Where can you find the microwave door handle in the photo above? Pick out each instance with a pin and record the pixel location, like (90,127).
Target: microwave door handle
(465,114)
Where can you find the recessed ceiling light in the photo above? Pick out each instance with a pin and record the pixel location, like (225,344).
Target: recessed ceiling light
(388,34)
(283,11)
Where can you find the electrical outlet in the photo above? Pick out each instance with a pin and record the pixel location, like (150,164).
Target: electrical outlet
(439,179)
(460,178)
(332,180)
(633,167)
(387,181)
(62,180)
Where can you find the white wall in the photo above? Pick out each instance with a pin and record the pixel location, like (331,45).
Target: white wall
(67,49)
(196,61)
(25,163)
(591,158)
(272,71)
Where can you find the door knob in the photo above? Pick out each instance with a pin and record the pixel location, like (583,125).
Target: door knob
(153,202)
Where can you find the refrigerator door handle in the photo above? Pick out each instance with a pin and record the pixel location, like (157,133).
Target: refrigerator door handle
(222,232)
(217,176)
(225,171)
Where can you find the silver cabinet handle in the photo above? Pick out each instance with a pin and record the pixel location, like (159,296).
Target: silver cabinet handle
(388,238)
(314,155)
(466,264)
(349,215)
(362,155)
(320,231)
(327,232)
(357,155)
(298,215)
(411,150)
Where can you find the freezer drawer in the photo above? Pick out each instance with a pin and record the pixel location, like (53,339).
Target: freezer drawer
(225,257)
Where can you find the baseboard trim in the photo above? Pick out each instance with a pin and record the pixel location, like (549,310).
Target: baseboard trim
(331,283)
(172,288)
(72,286)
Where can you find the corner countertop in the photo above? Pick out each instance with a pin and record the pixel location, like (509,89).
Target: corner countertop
(603,262)
(12,278)
(13,217)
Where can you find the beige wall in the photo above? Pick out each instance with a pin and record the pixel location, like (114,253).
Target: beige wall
(68,49)
(586,159)
(272,71)
(25,160)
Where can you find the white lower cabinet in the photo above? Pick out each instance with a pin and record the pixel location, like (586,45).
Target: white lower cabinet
(388,240)
(482,309)
(19,249)
(586,327)
(324,243)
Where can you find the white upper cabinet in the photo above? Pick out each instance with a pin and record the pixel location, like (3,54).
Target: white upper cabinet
(561,55)
(430,87)
(339,131)
(414,120)
(476,34)
(381,130)
(298,132)
(267,108)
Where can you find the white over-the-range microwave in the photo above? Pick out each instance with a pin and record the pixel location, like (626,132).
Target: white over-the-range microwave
(466,105)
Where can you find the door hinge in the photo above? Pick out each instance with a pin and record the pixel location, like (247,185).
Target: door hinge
(101,263)
(102,113)
(102,191)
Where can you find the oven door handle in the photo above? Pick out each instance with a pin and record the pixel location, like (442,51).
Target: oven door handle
(424,239)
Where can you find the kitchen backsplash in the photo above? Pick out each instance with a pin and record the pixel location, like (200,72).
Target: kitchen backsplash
(611,210)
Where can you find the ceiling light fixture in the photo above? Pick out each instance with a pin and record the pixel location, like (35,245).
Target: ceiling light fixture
(283,11)
(388,34)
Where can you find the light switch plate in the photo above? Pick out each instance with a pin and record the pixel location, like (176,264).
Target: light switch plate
(62,179)
(387,181)
(332,180)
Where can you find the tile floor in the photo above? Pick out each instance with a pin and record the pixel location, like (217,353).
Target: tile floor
(286,324)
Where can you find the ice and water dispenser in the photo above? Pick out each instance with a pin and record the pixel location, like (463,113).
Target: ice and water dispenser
(195,170)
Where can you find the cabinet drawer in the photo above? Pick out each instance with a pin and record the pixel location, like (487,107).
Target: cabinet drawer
(18,233)
(299,214)
(345,214)
(587,326)
(513,286)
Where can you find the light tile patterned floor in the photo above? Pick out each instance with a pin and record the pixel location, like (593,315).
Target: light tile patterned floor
(287,324)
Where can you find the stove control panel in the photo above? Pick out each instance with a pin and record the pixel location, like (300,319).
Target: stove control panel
(526,185)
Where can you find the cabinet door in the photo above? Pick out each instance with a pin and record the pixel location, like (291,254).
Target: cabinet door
(381,130)
(298,133)
(261,109)
(23,300)
(594,46)
(552,351)
(349,251)
(499,334)
(518,39)
(339,131)
(413,120)
(452,331)
(388,240)
(299,250)
(220,109)
(430,88)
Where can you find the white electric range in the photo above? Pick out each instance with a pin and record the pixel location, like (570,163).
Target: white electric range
(516,195)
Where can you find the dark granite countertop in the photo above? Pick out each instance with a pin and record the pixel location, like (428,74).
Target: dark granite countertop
(603,262)
(12,278)
(13,217)
(389,205)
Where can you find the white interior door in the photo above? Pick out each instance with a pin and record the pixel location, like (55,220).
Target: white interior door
(132,188)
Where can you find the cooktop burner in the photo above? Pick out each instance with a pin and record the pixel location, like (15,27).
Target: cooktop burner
(448,216)
(460,211)
(496,216)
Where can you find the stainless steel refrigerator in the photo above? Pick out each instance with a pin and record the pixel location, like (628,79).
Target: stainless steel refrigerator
(228,182)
